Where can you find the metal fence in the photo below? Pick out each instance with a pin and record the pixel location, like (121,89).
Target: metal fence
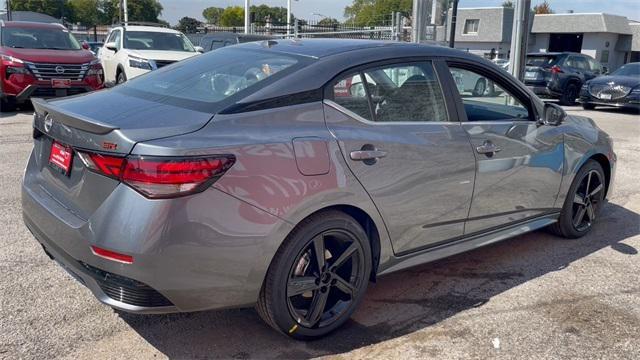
(310,29)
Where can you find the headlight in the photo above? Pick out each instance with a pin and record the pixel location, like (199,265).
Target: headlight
(94,62)
(139,63)
(11,59)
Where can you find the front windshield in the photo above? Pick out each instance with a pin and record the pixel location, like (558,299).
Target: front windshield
(628,70)
(39,38)
(212,77)
(149,40)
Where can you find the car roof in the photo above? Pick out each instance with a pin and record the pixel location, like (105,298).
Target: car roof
(32,24)
(319,48)
(555,53)
(149,28)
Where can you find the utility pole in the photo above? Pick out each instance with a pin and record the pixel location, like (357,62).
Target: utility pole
(519,38)
(126,13)
(247,15)
(418,20)
(454,19)
(288,17)
(8,10)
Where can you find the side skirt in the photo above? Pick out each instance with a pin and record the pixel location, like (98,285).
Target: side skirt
(467,244)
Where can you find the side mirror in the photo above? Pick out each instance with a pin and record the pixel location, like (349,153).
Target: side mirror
(199,49)
(111,46)
(605,70)
(85,45)
(553,115)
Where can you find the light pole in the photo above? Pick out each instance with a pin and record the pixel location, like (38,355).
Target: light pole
(247,17)
(289,17)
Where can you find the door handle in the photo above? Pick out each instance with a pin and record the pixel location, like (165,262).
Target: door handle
(488,148)
(362,155)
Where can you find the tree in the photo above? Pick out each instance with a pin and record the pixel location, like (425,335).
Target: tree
(232,16)
(188,25)
(374,12)
(212,14)
(85,12)
(329,22)
(277,14)
(55,8)
(508,4)
(544,8)
(138,10)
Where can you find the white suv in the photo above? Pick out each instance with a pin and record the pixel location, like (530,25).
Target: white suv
(132,50)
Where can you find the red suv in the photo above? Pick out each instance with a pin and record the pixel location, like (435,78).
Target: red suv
(43,60)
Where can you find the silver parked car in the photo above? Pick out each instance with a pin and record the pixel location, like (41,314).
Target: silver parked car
(291,173)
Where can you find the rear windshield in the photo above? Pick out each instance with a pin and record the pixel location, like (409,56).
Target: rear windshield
(628,70)
(540,60)
(149,40)
(39,38)
(214,77)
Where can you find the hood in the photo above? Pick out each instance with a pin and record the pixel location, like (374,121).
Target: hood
(51,56)
(162,55)
(629,81)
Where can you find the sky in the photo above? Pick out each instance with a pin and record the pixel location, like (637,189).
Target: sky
(305,9)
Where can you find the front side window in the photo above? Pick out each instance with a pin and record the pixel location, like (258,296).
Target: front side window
(484,100)
(471,26)
(149,40)
(393,93)
(39,38)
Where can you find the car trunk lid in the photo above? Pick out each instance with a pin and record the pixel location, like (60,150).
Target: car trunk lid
(96,124)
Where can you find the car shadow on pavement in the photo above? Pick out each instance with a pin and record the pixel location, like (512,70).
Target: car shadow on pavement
(398,304)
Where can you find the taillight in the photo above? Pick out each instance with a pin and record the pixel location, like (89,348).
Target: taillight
(555,69)
(161,177)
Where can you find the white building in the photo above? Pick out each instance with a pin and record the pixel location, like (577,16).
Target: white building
(611,39)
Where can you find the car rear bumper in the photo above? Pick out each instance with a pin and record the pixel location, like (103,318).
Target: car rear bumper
(188,254)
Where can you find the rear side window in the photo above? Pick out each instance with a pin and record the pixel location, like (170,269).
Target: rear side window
(540,60)
(407,92)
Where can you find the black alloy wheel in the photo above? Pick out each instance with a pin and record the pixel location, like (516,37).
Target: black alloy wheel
(323,281)
(586,200)
(318,276)
(583,202)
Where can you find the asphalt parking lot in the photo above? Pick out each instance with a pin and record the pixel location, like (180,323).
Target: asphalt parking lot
(534,296)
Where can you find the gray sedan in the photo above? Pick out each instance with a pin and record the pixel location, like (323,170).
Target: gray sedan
(291,173)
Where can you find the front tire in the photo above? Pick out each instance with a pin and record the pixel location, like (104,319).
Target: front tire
(569,95)
(318,276)
(588,106)
(583,203)
(121,78)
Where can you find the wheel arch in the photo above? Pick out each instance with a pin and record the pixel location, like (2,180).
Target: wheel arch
(606,167)
(367,223)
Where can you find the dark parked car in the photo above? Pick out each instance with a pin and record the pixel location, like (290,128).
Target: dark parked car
(221,39)
(620,89)
(249,175)
(560,75)
(43,60)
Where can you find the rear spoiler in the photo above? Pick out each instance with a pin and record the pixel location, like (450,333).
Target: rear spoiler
(80,122)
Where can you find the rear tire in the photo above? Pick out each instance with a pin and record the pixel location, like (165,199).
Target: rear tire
(305,300)
(583,203)
(588,106)
(569,95)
